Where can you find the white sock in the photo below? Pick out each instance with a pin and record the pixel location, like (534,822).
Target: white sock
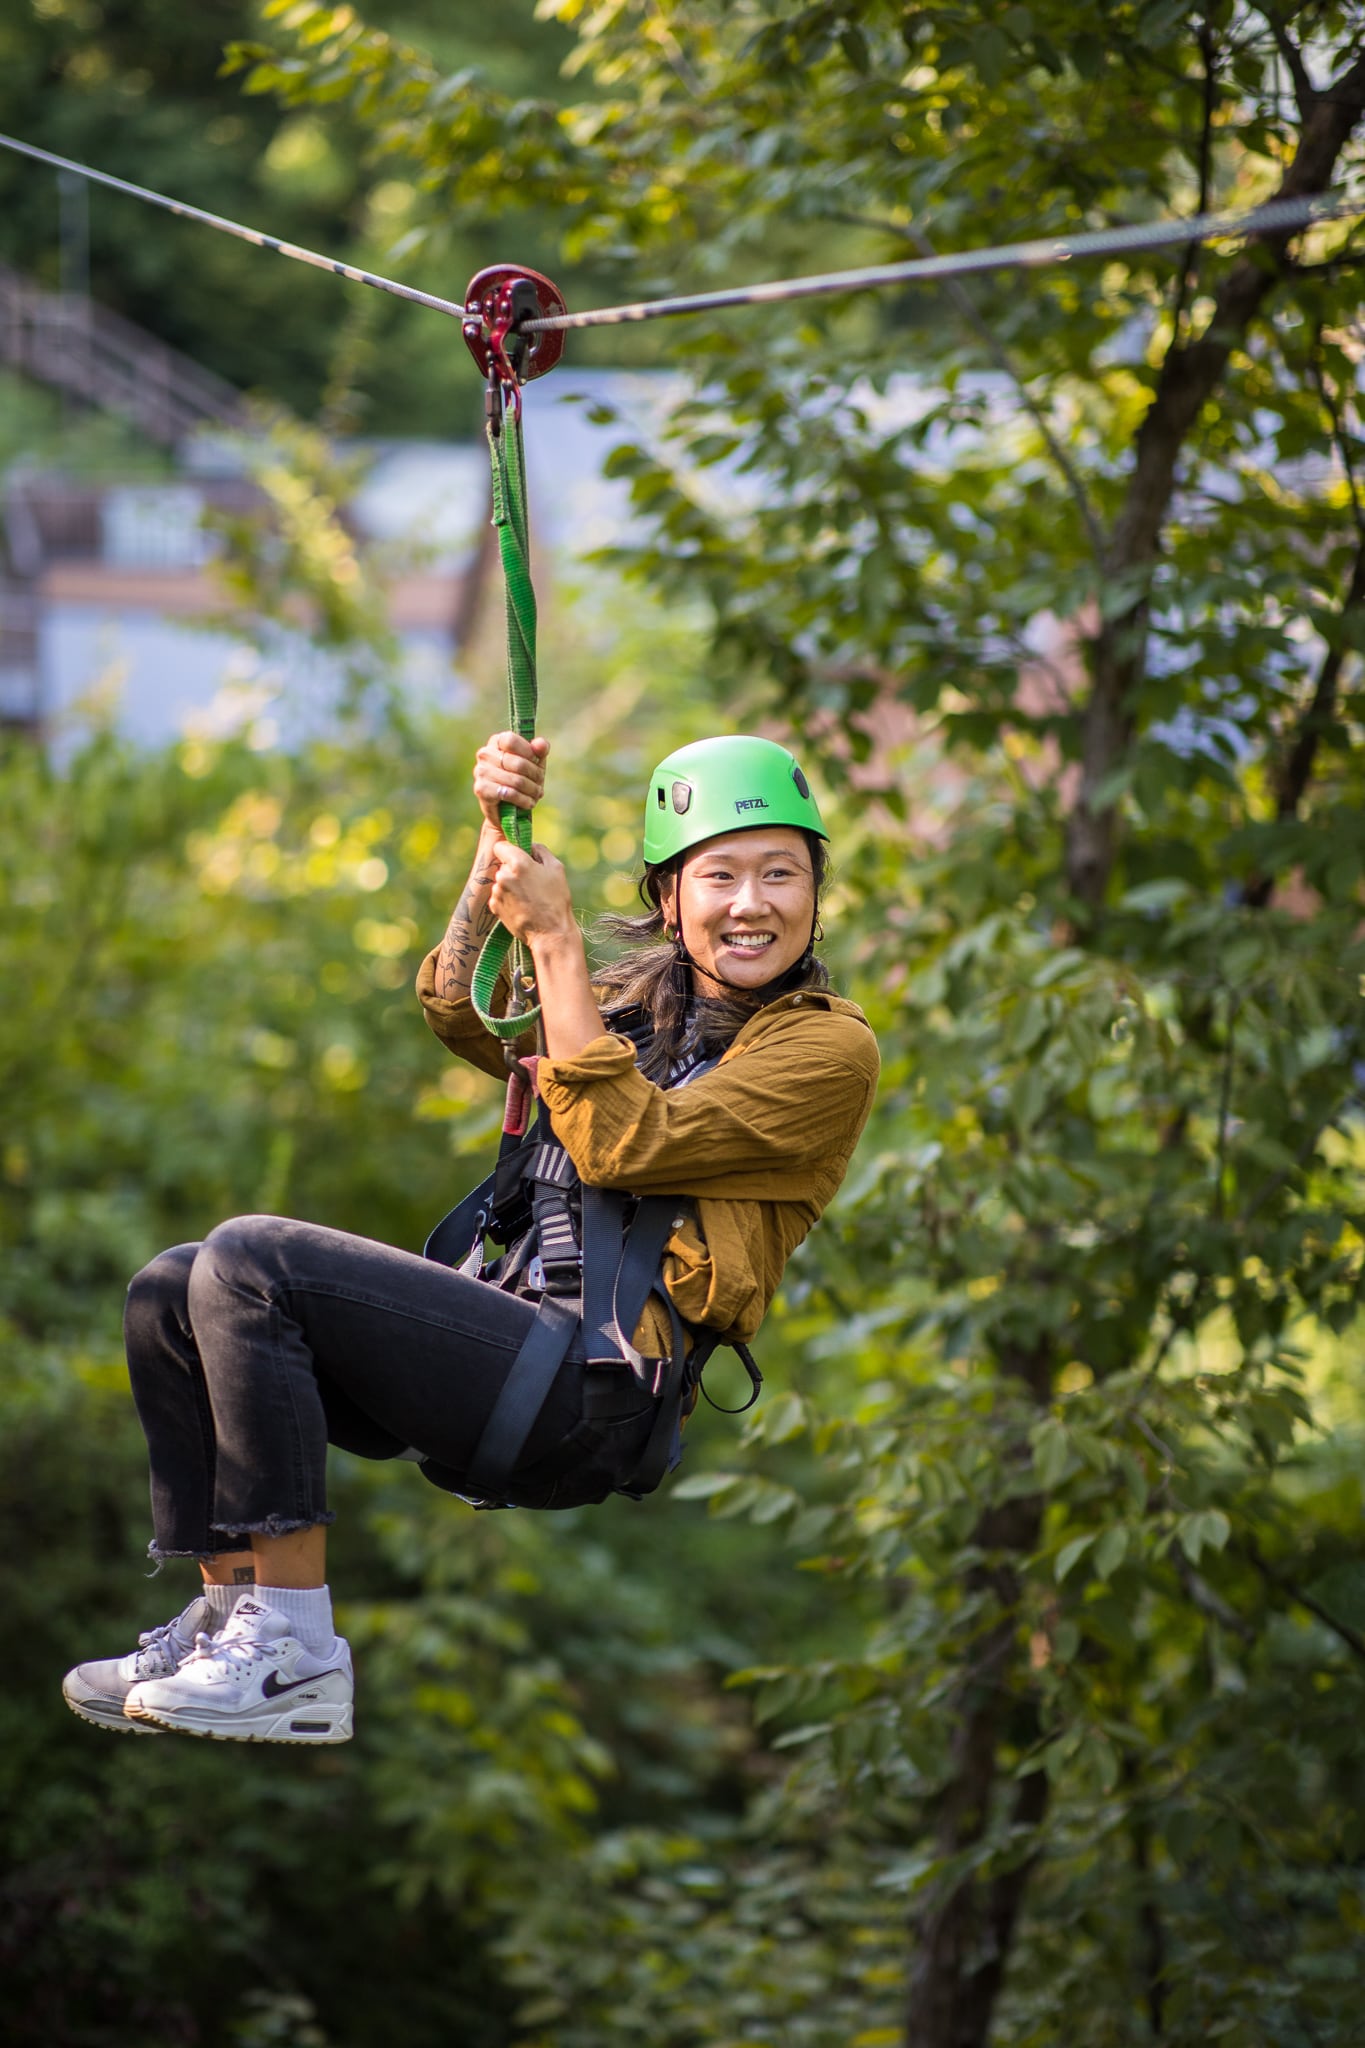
(309,1609)
(221,1601)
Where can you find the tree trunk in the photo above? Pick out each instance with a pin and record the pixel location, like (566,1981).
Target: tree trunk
(961,1936)
(1295,770)
(1189,377)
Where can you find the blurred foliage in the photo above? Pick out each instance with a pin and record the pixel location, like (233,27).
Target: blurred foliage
(37,430)
(1053,1734)
(138,89)
(216,945)
(1067,573)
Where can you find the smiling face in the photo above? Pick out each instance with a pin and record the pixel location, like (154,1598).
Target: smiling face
(745,904)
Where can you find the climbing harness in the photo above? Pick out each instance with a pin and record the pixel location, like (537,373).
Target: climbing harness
(591,1258)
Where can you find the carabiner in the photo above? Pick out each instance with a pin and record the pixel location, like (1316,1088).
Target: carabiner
(522,998)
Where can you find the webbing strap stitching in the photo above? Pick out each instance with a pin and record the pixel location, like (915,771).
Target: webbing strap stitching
(552,1164)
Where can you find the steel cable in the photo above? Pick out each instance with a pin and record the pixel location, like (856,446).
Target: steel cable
(1279,216)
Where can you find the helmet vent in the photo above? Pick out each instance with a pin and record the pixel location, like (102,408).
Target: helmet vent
(661,798)
(682,796)
(799,779)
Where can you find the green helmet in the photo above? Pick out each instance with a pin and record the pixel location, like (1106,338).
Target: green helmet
(724,785)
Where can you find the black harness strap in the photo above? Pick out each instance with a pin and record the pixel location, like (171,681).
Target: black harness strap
(522,1397)
(451,1242)
(663,1446)
(621,1270)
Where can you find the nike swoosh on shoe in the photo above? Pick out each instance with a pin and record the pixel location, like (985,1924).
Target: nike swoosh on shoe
(274,1685)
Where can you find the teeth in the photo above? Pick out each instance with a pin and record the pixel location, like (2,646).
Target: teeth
(749,942)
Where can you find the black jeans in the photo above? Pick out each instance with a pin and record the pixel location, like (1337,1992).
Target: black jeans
(251,1352)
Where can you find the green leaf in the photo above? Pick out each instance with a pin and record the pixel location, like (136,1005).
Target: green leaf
(705,1485)
(1071,1554)
(1051,1453)
(783,1419)
(1110,1550)
(1206,1529)
(991,53)
(853,43)
(1164,894)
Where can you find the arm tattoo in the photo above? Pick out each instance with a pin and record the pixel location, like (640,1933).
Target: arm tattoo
(470,923)
(244,1575)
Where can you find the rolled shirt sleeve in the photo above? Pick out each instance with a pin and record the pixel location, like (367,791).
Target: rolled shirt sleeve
(457,1024)
(772,1122)
(756,1147)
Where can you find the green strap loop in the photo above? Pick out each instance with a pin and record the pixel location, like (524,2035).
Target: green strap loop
(509,516)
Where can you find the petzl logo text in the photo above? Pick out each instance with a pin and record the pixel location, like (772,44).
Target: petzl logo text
(751,803)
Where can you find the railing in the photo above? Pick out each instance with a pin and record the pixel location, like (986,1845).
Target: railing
(19,665)
(94,356)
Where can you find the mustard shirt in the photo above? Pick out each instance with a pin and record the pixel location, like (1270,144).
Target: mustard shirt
(759,1144)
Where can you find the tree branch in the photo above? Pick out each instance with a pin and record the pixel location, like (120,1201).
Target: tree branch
(1202,1595)
(1305,92)
(1297,760)
(965,1923)
(1292,781)
(1301,1158)
(1187,379)
(1352,1638)
(1224,1105)
(1149,1916)
(1194,250)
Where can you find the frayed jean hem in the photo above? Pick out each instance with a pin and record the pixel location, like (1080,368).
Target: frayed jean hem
(160,1554)
(274,1525)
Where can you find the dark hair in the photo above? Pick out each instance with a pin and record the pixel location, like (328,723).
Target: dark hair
(654,975)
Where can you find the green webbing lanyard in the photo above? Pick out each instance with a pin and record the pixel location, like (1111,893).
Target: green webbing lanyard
(509,516)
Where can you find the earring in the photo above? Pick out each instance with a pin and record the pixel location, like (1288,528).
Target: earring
(670,933)
(819,930)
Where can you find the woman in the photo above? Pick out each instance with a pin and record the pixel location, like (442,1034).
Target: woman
(252,1351)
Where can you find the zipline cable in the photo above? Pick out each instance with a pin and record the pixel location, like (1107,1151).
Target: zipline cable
(1275,217)
(1278,216)
(232,227)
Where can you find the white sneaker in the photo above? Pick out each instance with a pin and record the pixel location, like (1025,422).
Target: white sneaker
(255,1682)
(97,1691)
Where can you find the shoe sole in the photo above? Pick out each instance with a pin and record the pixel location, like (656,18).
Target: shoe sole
(114,1723)
(326,1723)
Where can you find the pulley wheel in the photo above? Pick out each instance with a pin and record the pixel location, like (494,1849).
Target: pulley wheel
(489,305)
